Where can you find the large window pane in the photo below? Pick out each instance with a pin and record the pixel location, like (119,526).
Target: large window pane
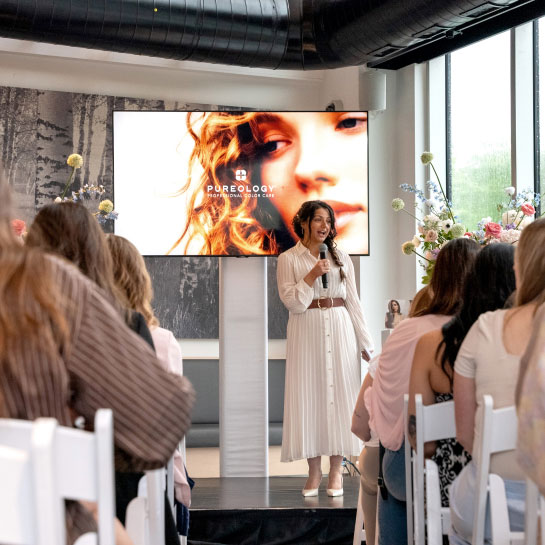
(480,125)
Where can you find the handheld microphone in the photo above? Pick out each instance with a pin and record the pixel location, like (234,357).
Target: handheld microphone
(323,250)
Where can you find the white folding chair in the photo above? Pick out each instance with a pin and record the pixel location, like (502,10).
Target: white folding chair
(433,423)
(433,504)
(359,532)
(68,464)
(408,473)
(535,510)
(499,434)
(18,510)
(145,518)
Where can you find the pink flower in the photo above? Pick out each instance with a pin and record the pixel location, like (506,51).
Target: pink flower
(527,209)
(18,226)
(492,229)
(431,236)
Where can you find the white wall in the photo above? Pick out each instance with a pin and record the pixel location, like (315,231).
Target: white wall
(396,135)
(73,69)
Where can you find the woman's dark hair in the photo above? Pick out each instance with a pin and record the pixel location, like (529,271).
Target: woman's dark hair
(453,263)
(305,214)
(488,285)
(68,229)
(390,306)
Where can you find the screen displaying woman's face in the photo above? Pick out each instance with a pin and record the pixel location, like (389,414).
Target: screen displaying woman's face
(319,155)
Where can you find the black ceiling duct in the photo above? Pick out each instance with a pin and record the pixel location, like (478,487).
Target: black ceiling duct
(285,34)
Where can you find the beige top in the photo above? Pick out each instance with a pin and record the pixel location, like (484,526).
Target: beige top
(483,357)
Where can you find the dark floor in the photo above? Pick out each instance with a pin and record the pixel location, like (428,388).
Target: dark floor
(268,493)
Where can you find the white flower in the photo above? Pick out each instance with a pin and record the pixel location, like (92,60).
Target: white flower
(511,216)
(525,222)
(398,204)
(58,199)
(458,230)
(486,220)
(446,225)
(431,219)
(510,190)
(416,241)
(510,236)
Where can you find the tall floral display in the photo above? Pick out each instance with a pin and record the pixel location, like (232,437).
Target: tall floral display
(87,193)
(437,223)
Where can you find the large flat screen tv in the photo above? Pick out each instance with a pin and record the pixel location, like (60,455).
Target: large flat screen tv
(229,183)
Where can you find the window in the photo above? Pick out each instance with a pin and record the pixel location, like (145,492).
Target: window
(479,128)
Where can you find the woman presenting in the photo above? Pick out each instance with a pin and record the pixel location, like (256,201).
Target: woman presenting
(326,334)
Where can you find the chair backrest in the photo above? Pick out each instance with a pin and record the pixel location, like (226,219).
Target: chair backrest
(408,473)
(17,499)
(498,434)
(68,464)
(433,504)
(145,519)
(433,423)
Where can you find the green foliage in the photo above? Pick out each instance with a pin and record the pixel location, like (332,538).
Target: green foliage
(476,187)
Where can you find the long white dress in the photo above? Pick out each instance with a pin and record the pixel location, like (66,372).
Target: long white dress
(322,358)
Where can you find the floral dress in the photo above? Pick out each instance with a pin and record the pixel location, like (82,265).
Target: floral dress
(450,458)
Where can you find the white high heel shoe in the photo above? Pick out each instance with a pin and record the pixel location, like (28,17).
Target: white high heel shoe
(335,492)
(310,492)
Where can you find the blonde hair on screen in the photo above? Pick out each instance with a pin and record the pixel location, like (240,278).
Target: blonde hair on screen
(226,224)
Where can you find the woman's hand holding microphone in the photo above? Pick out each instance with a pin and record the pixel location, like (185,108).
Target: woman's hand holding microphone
(322,267)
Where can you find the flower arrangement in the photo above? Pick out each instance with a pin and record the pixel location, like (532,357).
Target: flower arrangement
(439,224)
(87,192)
(516,212)
(436,227)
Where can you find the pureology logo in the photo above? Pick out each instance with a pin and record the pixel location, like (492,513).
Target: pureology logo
(241,175)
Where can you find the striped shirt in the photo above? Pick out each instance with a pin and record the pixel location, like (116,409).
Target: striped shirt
(103,364)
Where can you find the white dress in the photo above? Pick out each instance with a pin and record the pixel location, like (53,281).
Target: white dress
(322,358)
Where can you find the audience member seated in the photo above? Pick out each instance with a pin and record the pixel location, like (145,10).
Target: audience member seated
(66,352)
(132,278)
(488,286)
(368,463)
(68,229)
(488,363)
(384,398)
(530,397)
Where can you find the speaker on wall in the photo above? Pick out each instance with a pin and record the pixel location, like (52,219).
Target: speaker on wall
(372,90)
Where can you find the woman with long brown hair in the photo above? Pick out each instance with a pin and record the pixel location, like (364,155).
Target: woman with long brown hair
(383,408)
(250,171)
(326,338)
(69,230)
(66,352)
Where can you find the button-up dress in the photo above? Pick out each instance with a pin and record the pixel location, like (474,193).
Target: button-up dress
(322,358)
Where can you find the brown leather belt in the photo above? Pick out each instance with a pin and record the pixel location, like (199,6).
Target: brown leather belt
(326,302)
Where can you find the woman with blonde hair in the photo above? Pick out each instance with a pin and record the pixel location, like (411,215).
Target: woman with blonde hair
(488,363)
(250,171)
(133,279)
(66,352)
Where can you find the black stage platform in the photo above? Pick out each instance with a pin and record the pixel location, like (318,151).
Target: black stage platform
(270,511)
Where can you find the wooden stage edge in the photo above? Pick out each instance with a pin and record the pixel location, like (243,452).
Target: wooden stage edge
(252,493)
